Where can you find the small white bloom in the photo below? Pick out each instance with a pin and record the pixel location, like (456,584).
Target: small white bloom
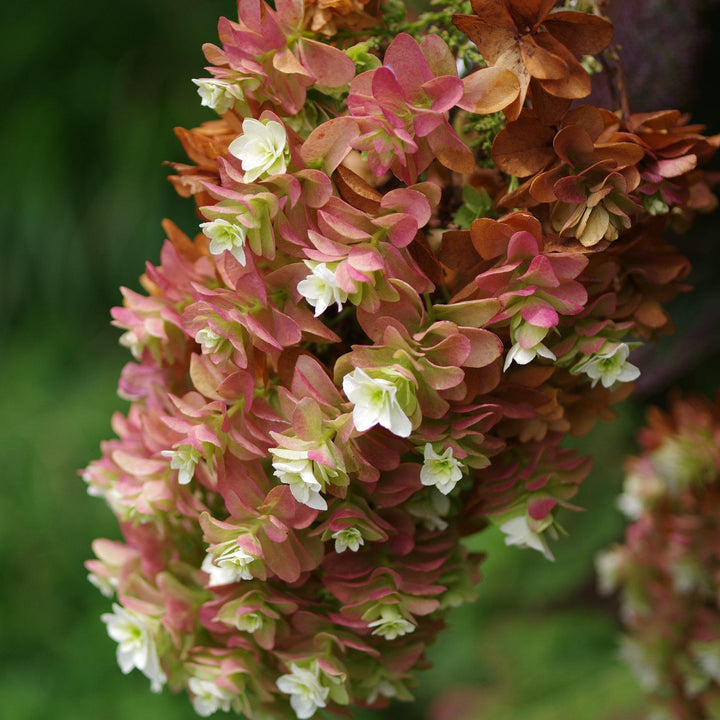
(131,341)
(208,698)
(209,339)
(519,533)
(376,403)
(249,621)
(391,624)
(640,662)
(183,459)
(105,585)
(294,468)
(136,646)
(707,655)
(349,539)
(609,367)
(321,288)
(307,693)
(608,566)
(219,95)
(430,507)
(384,688)
(444,471)
(522,356)
(230,566)
(262,148)
(225,235)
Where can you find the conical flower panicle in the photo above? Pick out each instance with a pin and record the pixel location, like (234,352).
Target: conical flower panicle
(667,568)
(333,382)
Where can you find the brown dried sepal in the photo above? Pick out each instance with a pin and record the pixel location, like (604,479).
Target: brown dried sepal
(522,36)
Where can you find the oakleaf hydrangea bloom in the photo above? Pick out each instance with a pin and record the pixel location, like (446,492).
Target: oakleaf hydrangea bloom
(262,149)
(609,367)
(136,645)
(667,568)
(441,470)
(391,624)
(218,95)
(518,532)
(307,694)
(348,539)
(224,236)
(183,459)
(318,412)
(376,403)
(229,566)
(296,469)
(208,697)
(321,288)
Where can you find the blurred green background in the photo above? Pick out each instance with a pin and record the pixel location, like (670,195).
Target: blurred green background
(91,92)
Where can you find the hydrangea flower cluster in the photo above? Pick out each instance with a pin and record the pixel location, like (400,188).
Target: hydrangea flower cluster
(349,367)
(667,569)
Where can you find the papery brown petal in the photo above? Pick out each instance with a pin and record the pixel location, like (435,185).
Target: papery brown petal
(541,63)
(355,191)
(199,148)
(423,255)
(185,247)
(530,12)
(574,146)
(580,33)
(548,108)
(489,90)
(523,147)
(489,237)
(491,38)
(587,117)
(456,250)
(576,84)
(624,154)
(542,187)
(451,151)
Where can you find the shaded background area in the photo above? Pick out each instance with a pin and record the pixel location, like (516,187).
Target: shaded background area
(91,92)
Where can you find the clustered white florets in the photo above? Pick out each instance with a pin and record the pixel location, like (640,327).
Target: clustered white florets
(136,644)
(262,149)
(376,403)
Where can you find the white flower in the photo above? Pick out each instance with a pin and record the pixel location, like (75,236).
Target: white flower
(224,236)
(262,148)
(707,654)
(430,507)
(294,468)
(384,688)
(519,533)
(208,698)
(249,621)
(522,356)
(375,403)
(444,471)
(229,566)
(608,566)
(105,585)
(391,624)
(209,339)
(219,95)
(306,692)
(184,460)
(641,663)
(321,288)
(131,341)
(350,538)
(136,646)
(608,367)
